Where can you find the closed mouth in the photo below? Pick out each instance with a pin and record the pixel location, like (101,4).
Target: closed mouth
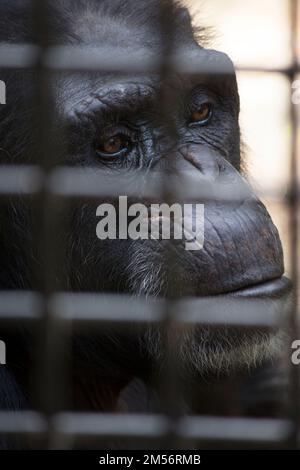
(271,289)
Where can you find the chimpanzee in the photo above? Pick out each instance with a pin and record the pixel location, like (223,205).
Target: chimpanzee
(113,122)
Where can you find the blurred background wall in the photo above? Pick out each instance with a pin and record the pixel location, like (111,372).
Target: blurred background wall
(257,33)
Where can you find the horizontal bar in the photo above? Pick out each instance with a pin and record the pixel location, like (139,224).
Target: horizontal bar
(206,429)
(242,430)
(120,60)
(83,425)
(116,60)
(22,423)
(92,183)
(20,305)
(18,56)
(20,180)
(81,59)
(226,310)
(93,310)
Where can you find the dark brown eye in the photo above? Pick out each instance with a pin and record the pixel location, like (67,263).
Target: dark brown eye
(113,145)
(203,114)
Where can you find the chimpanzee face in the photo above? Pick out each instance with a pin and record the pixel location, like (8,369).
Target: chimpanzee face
(115,125)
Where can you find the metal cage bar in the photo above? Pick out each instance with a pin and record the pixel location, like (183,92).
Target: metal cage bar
(294,228)
(54,311)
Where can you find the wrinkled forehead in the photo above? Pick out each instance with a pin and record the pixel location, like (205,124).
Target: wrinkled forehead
(126,74)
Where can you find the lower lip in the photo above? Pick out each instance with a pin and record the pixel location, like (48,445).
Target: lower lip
(276,289)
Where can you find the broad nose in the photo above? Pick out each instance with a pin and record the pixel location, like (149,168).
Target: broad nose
(202,173)
(198,160)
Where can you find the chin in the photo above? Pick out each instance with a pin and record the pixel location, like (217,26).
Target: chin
(208,351)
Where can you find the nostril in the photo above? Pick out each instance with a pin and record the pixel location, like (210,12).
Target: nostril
(210,170)
(204,160)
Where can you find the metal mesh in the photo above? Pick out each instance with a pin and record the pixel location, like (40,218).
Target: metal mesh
(53,311)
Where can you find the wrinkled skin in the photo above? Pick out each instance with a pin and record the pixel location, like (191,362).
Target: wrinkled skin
(242,247)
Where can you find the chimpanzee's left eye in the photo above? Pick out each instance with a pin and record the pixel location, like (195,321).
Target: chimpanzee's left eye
(202,115)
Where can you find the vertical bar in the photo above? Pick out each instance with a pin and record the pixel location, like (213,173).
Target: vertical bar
(170,386)
(51,373)
(293,222)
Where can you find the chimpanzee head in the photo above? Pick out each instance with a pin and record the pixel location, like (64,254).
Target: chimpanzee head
(112,123)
